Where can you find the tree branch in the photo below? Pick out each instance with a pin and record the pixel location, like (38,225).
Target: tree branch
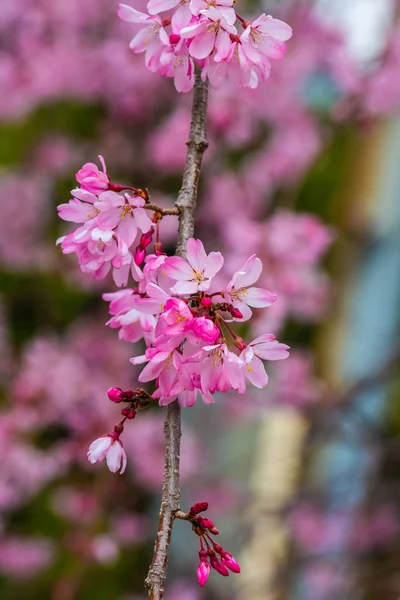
(186,204)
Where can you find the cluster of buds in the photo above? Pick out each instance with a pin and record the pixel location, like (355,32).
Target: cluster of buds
(137,399)
(211,554)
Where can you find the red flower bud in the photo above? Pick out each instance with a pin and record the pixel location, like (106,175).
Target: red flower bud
(115,394)
(206,302)
(219,567)
(206,523)
(139,255)
(198,508)
(235,312)
(214,531)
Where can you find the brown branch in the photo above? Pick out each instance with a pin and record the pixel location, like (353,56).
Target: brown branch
(186,204)
(163,211)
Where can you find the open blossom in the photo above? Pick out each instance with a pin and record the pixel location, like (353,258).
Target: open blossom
(92,179)
(265,347)
(241,296)
(109,448)
(196,272)
(211,33)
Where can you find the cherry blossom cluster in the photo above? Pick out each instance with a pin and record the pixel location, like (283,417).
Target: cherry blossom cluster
(191,347)
(110,225)
(178,308)
(204,33)
(212,555)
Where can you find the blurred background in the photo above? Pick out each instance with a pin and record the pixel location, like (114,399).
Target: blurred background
(302,478)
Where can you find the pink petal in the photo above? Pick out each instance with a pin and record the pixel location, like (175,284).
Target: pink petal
(142,219)
(215,261)
(202,45)
(156,6)
(121,275)
(223,44)
(114,456)
(177,268)
(150,372)
(185,287)
(259,298)
(196,255)
(255,373)
(247,274)
(127,230)
(127,13)
(271,350)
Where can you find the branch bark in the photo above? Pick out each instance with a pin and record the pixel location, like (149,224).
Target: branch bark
(186,204)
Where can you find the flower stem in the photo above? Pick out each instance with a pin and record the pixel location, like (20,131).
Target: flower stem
(185,204)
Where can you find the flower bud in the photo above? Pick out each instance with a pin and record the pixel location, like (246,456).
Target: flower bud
(146,239)
(139,255)
(219,567)
(203,571)
(115,394)
(236,314)
(198,508)
(205,523)
(174,38)
(231,563)
(206,302)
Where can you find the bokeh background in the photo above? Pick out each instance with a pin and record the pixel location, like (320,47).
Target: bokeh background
(303,477)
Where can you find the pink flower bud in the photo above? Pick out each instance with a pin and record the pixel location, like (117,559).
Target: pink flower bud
(139,255)
(198,508)
(235,312)
(146,238)
(206,302)
(231,563)
(203,571)
(115,394)
(174,38)
(219,567)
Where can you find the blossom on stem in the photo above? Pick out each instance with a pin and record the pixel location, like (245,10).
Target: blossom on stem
(109,448)
(211,33)
(196,272)
(92,179)
(265,347)
(241,296)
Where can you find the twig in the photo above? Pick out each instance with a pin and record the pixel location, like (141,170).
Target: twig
(186,204)
(163,211)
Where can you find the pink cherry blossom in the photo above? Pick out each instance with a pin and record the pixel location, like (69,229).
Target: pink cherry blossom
(196,272)
(221,370)
(211,32)
(241,296)
(267,36)
(265,347)
(109,448)
(92,179)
